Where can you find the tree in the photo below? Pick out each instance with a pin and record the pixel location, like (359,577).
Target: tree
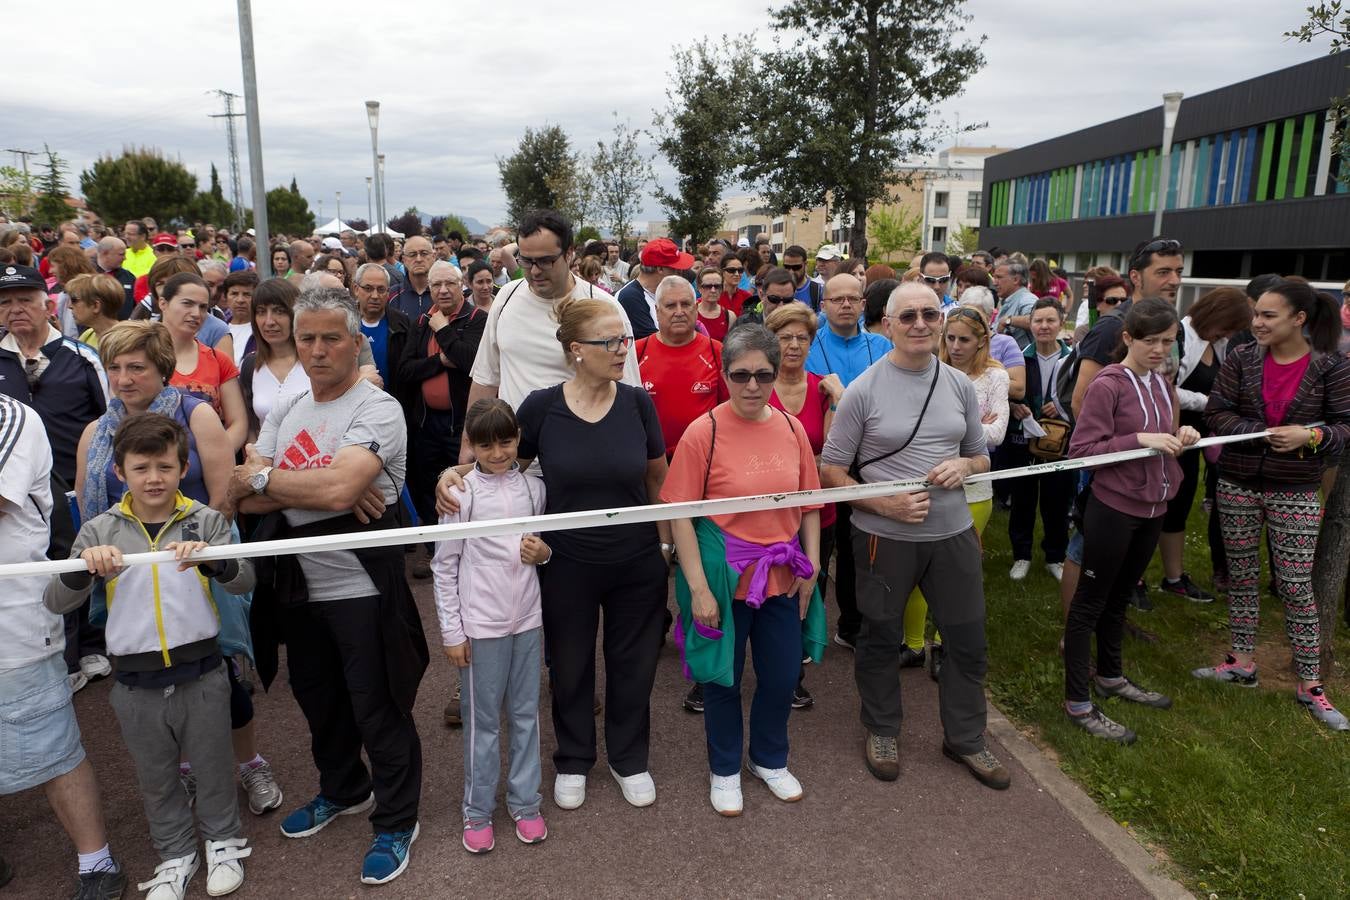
(575,189)
(288,212)
(531,177)
(51,202)
(1333,18)
(893,232)
(210,206)
(854,88)
(448,223)
(408,224)
(17,190)
(621,174)
(140,182)
(358,224)
(696,130)
(963,240)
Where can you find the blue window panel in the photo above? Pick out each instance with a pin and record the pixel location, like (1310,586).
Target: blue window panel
(1088,204)
(1126,169)
(1109,187)
(1101,186)
(1035,204)
(1234,146)
(1045,196)
(1216,164)
(1174,178)
(1244,193)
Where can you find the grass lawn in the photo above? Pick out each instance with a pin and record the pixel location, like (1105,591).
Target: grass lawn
(1240,788)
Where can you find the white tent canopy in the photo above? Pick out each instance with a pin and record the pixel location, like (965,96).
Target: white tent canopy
(385,230)
(337,226)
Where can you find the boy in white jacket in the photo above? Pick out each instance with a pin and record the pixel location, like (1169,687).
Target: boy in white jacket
(487,599)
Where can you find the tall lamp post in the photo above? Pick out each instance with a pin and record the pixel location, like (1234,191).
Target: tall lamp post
(379,192)
(1171,106)
(370,208)
(339,207)
(255,158)
(373,116)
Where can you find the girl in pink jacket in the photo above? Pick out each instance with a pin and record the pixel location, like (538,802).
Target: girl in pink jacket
(487,599)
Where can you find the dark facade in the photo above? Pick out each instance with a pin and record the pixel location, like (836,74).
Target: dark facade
(1252,182)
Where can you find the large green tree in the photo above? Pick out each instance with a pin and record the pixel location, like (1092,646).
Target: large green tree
(51,202)
(622,173)
(695,133)
(140,182)
(210,206)
(288,212)
(535,176)
(408,224)
(855,88)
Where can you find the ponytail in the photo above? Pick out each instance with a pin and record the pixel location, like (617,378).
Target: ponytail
(1322,313)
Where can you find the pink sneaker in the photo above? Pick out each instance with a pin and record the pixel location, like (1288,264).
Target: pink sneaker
(479,839)
(531,829)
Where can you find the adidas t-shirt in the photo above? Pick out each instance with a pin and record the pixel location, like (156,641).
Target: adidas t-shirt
(302,433)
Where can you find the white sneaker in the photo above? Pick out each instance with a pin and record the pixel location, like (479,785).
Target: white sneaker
(784,785)
(569,791)
(1019,570)
(726,794)
(78,680)
(1056,570)
(95,665)
(224,871)
(638,790)
(171,878)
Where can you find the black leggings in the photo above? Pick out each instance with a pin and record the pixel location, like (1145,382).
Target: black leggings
(1116,551)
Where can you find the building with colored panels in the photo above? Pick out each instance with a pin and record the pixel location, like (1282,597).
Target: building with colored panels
(1253,184)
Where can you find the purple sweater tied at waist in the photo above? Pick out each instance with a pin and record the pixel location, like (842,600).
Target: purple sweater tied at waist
(743,554)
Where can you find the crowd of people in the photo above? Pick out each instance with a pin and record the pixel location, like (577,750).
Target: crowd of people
(183,402)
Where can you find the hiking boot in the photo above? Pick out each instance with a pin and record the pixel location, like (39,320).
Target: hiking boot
(1319,707)
(388,856)
(264,793)
(453,716)
(693,701)
(781,782)
(224,871)
(1128,690)
(882,755)
(531,829)
(1139,598)
(1019,570)
(911,658)
(107,883)
(935,659)
(479,838)
(171,878)
(1097,724)
(1184,587)
(983,765)
(801,698)
(316,815)
(1229,671)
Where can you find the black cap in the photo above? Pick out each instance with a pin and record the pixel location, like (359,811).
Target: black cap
(12,276)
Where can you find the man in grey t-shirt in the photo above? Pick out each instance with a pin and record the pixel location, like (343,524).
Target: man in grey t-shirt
(924,539)
(337,448)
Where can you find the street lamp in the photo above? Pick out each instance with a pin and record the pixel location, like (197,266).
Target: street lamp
(1171,106)
(339,207)
(379,192)
(373,116)
(370,209)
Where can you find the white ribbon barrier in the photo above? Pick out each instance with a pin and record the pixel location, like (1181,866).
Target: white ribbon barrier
(595,517)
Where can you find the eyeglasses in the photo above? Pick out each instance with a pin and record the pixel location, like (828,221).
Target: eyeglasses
(788,340)
(740,376)
(542,262)
(611,345)
(1164,246)
(931,315)
(844,301)
(444,285)
(339,272)
(417,254)
(937,279)
(734,270)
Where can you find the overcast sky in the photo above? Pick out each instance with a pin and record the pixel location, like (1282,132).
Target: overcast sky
(457,91)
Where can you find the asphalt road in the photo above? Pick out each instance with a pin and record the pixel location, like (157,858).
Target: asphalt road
(935,832)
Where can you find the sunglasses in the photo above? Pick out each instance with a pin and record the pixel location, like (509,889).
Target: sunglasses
(796,268)
(187,246)
(965,312)
(165,248)
(930,315)
(740,376)
(734,270)
(937,279)
(1164,246)
(710,286)
(1112,301)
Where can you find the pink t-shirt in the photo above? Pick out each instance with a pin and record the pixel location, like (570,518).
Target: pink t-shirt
(1279,384)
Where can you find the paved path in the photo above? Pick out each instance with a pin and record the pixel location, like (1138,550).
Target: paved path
(935,832)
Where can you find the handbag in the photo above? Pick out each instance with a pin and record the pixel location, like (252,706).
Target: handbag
(1054,444)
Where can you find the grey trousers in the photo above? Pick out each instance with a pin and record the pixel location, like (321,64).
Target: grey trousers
(191,721)
(949,573)
(502,672)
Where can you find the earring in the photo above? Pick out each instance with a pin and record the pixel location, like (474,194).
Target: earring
(578,359)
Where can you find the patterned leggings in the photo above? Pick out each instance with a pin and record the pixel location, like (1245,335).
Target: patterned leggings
(1293,518)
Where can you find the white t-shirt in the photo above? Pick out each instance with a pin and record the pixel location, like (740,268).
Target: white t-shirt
(520,352)
(240,334)
(268,392)
(28,632)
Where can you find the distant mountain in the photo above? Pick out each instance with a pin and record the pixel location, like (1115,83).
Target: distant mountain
(474,226)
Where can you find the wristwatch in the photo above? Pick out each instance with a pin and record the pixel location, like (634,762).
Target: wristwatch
(258,480)
(668,548)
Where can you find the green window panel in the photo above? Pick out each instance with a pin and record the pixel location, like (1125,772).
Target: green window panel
(1146,201)
(1267,154)
(1136,180)
(1305,152)
(1200,177)
(1286,158)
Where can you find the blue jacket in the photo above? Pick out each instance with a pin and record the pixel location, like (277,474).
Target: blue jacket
(633,298)
(846,357)
(72,392)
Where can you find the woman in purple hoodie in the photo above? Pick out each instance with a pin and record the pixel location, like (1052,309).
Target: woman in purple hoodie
(1129,405)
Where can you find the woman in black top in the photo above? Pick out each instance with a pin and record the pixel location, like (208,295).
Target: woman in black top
(599,445)
(1210,323)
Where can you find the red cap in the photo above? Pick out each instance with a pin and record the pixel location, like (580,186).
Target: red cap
(663,252)
(165,239)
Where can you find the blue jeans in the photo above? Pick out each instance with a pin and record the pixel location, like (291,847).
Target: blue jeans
(776,630)
(501,671)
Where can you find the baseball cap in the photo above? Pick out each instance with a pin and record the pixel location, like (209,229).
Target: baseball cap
(827,252)
(21,277)
(743,242)
(164,239)
(332,243)
(663,252)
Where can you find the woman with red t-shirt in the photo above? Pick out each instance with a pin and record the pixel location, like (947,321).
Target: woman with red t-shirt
(201,371)
(715,318)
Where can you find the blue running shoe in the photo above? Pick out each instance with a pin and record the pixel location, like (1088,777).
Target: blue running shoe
(315,815)
(388,856)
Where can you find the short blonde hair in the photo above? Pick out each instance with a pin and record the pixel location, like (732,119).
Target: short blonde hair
(792,314)
(102,291)
(152,338)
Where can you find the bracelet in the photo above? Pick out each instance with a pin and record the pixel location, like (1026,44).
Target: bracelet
(1314,438)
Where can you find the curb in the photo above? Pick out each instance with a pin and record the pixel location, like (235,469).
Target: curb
(1118,842)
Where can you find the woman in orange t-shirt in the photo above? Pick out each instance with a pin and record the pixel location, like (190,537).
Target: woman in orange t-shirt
(744,446)
(202,371)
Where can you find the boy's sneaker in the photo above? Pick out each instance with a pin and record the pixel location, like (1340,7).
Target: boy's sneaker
(95,666)
(1128,690)
(801,697)
(315,815)
(1019,570)
(224,871)
(783,783)
(1228,671)
(726,794)
(882,755)
(107,883)
(911,658)
(569,791)
(1097,724)
(453,715)
(479,838)
(388,856)
(693,701)
(189,783)
(264,794)
(1320,708)
(531,829)
(171,878)
(1184,587)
